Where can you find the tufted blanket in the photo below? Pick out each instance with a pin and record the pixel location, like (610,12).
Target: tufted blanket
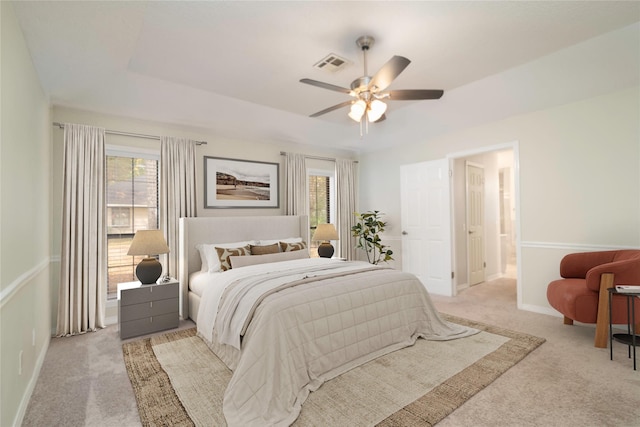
(312,320)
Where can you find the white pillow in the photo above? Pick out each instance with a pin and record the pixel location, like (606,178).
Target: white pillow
(243,261)
(209,256)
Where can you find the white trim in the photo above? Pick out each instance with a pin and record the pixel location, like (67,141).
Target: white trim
(20,281)
(540,310)
(481,150)
(573,246)
(26,397)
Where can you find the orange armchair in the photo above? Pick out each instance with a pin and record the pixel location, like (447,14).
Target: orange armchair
(581,294)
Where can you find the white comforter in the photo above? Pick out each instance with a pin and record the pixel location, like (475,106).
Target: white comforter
(337,315)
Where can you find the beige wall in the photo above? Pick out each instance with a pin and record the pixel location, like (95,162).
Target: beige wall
(579,170)
(25,224)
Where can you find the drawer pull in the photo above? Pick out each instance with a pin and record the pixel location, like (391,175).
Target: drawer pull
(151,304)
(151,319)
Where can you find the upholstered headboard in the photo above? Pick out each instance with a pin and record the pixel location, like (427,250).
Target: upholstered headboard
(194,231)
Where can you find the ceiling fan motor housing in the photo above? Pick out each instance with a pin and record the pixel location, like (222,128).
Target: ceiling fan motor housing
(360,84)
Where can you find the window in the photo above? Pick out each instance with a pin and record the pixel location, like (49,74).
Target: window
(321,202)
(132,205)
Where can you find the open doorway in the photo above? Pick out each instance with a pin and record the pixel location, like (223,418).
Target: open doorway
(498,219)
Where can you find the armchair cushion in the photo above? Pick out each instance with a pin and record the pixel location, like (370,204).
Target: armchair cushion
(574,299)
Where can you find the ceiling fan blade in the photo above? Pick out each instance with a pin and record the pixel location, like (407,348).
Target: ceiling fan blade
(389,72)
(325,85)
(328,110)
(411,94)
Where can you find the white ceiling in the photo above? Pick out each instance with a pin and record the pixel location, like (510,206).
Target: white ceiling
(234,67)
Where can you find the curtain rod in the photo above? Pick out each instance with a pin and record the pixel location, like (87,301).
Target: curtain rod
(135,135)
(284,153)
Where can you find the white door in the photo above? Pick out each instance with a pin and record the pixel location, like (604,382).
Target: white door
(426,224)
(475,223)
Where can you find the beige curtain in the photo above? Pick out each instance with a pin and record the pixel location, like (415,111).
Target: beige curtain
(177,193)
(296,191)
(346,199)
(83,269)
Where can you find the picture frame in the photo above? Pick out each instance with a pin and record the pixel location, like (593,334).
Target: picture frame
(236,183)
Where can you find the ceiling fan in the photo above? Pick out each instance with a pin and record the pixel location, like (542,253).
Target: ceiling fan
(368,92)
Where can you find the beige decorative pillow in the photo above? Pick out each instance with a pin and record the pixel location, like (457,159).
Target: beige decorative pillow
(225,253)
(289,247)
(264,249)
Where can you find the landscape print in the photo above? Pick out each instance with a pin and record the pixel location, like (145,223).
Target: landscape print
(240,183)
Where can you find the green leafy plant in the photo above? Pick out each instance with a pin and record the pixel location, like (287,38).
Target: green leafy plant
(367,230)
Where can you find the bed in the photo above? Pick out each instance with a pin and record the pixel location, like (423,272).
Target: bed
(285,323)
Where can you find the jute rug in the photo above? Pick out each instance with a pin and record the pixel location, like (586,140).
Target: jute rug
(178,381)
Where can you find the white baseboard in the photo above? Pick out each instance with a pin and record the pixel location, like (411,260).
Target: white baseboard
(540,310)
(24,403)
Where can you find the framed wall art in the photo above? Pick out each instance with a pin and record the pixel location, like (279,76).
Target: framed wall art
(235,183)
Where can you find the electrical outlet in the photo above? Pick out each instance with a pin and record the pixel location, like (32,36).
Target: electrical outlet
(20,363)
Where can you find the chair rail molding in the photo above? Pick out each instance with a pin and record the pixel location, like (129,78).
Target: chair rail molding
(573,246)
(24,278)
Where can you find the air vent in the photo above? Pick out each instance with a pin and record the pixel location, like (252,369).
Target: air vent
(332,63)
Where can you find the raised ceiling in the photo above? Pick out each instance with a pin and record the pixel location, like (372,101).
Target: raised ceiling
(234,67)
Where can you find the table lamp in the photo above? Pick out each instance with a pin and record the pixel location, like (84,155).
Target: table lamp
(148,243)
(325,232)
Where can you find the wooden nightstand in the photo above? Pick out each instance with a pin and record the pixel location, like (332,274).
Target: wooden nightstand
(143,309)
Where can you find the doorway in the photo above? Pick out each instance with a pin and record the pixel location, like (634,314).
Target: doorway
(496,217)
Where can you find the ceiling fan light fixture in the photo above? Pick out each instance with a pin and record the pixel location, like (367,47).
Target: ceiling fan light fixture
(376,109)
(357,110)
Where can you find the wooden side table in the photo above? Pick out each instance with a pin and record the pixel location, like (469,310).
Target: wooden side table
(143,309)
(630,338)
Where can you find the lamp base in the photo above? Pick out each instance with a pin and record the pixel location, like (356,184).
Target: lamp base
(325,250)
(148,271)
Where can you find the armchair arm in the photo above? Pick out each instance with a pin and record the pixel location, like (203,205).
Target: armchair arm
(576,266)
(625,272)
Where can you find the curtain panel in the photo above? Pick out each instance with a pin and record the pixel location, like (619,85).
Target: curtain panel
(296,192)
(346,199)
(83,269)
(177,193)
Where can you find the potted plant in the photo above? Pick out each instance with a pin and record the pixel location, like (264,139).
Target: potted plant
(367,229)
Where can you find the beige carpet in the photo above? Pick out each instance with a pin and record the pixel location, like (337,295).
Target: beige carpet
(178,381)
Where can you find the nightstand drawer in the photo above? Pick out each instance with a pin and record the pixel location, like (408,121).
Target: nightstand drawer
(149,293)
(148,309)
(148,325)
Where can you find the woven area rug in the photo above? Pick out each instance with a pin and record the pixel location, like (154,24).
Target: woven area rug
(178,381)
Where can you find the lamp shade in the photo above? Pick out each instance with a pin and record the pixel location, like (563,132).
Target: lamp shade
(325,232)
(148,243)
(376,109)
(357,110)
